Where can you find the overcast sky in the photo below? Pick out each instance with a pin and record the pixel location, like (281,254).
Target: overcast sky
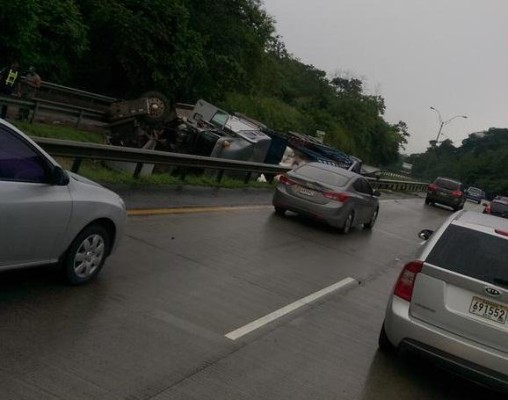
(450,54)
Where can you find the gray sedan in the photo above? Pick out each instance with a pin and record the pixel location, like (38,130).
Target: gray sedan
(48,215)
(334,195)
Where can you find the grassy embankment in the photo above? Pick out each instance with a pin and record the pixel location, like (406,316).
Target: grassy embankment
(100,172)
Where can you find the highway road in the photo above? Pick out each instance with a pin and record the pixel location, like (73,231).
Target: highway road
(223,303)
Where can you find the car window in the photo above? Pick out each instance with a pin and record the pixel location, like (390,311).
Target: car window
(472,253)
(19,161)
(363,186)
(499,206)
(318,174)
(447,184)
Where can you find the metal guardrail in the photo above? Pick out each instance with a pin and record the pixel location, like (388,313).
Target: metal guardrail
(79,151)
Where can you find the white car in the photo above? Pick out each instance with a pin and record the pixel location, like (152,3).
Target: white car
(49,216)
(450,302)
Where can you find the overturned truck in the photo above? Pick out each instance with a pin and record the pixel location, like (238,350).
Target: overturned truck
(204,129)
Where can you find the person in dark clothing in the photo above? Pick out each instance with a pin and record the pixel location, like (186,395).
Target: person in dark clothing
(9,77)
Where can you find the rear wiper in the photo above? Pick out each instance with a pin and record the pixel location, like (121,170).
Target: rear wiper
(501,281)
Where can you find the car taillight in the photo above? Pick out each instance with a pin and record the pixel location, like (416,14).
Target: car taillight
(432,187)
(456,193)
(405,284)
(285,180)
(342,197)
(501,232)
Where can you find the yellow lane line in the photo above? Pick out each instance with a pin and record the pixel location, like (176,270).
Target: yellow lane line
(190,210)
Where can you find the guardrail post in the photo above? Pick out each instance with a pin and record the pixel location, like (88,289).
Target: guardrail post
(36,108)
(76,164)
(137,170)
(80,117)
(220,174)
(247,177)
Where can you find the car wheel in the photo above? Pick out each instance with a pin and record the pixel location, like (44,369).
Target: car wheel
(427,201)
(372,221)
(280,211)
(348,223)
(384,343)
(86,255)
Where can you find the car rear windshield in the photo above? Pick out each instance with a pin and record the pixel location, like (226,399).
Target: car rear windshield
(321,175)
(499,206)
(472,253)
(447,184)
(474,191)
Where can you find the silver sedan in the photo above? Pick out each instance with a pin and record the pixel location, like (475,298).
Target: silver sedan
(48,215)
(334,195)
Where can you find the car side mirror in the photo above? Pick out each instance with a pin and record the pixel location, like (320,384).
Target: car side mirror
(376,193)
(425,234)
(59,177)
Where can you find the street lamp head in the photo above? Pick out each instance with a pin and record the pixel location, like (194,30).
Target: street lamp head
(464,116)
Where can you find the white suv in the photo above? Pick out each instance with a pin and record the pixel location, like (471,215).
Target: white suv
(48,215)
(450,303)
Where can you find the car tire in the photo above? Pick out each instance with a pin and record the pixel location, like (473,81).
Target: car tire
(86,255)
(372,221)
(384,343)
(348,223)
(427,201)
(280,211)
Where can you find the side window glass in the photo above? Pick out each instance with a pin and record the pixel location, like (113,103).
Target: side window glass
(363,186)
(19,161)
(358,186)
(368,188)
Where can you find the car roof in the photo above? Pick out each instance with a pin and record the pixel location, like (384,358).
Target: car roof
(448,179)
(333,169)
(480,222)
(500,199)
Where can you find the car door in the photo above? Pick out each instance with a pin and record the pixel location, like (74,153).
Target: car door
(33,213)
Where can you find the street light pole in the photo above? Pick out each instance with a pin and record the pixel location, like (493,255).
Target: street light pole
(443,123)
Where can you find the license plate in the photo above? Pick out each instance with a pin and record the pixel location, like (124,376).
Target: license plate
(307,192)
(488,310)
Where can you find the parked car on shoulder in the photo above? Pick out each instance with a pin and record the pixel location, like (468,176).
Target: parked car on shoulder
(446,191)
(51,216)
(329,193)
(475,194)
(450,302)
(498,207)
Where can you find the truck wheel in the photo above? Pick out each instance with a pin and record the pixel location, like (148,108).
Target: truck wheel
(159,107)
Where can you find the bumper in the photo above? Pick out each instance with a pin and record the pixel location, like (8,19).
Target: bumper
(333,213)
(469,359)
(448,201)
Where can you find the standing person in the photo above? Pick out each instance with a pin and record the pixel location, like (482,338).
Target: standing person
(9,77)
(31,82)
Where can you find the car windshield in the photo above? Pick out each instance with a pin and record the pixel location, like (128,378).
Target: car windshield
(447,184)
(314,173)
(474,191)
(469,252)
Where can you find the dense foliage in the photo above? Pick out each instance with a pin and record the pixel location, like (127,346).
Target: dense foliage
(224,51)
(481,161)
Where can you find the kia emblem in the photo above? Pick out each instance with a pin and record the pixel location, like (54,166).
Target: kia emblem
(492,292)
